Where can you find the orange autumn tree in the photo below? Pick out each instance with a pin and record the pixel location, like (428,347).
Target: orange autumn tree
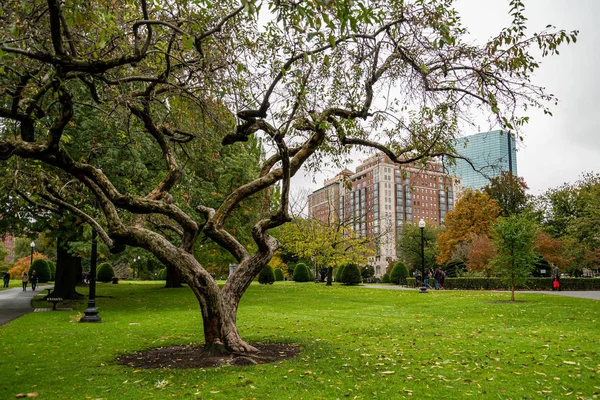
(550,249)
(23,264)
(481,254)
(472,216)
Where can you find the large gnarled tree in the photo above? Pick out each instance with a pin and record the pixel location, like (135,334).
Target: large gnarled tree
(316,79)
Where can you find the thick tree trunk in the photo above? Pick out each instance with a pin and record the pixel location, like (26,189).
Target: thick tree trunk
(173,278)
(329,275)
(66,272)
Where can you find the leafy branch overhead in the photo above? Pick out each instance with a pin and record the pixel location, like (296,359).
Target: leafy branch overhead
(129,98)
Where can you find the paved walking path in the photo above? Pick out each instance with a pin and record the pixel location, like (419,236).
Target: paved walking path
(16,302)
(590,294)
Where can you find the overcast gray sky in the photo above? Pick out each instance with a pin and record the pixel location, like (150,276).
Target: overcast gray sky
(556,149)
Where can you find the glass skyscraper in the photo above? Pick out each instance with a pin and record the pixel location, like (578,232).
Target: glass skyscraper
(490,153)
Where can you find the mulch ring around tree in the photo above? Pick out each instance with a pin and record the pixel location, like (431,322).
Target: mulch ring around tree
(189,356)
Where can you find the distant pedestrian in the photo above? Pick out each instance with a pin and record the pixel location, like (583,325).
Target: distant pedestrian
(6,279)
(555,278)
(33,279)
(426,277)
(442,278)
(24,279)
(437,276)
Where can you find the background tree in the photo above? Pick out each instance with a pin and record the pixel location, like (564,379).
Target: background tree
(473,215)
(570,214)
(550,249)
(367,273)
(3,253)
(510,193)
(305,77)
(329,244)
(409,245)
(514,239)
(481,254)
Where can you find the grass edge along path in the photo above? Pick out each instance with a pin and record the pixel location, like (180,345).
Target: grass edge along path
(357,343)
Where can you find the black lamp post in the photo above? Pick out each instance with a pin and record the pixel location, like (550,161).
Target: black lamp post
(32,245)
(91,313)
(423,285)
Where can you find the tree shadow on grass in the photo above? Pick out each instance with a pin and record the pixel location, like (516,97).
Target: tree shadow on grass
(190,356)
(512,302)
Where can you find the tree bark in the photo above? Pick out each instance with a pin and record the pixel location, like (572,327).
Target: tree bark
(66,272)
(329,276)
(173,278)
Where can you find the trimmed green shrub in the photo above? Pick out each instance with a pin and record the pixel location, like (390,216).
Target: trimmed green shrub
(351,274)
(41,269)
(278,274)
(105,272)
(301,273)
(385,278)
(339,272)
(162,274)
(52,266)
(399,273)
(266,276)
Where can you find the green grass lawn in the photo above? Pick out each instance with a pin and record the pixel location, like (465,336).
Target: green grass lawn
(357,343)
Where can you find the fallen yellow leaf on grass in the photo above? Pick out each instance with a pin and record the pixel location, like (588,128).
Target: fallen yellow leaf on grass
(34,394)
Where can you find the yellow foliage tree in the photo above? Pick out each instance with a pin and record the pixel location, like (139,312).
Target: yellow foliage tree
(472,216)
(277,262)
(330,244)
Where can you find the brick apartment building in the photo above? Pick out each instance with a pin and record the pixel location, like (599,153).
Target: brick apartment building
(381,196)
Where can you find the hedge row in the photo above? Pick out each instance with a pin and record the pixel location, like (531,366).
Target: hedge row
(531,284)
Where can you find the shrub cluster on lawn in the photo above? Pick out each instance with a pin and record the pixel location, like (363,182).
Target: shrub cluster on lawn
(105,272)
(278,274)
(301,273)
(350,274)
(266,276)
(385,278)
(399,273)
(41,269)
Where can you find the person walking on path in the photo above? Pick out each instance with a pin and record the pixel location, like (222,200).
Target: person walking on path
(25,279)
(442,278)
(555,278)
(427,276)
(6,279)
(33,279)
(437,276)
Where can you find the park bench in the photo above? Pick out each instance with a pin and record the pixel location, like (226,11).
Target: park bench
(54,301)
